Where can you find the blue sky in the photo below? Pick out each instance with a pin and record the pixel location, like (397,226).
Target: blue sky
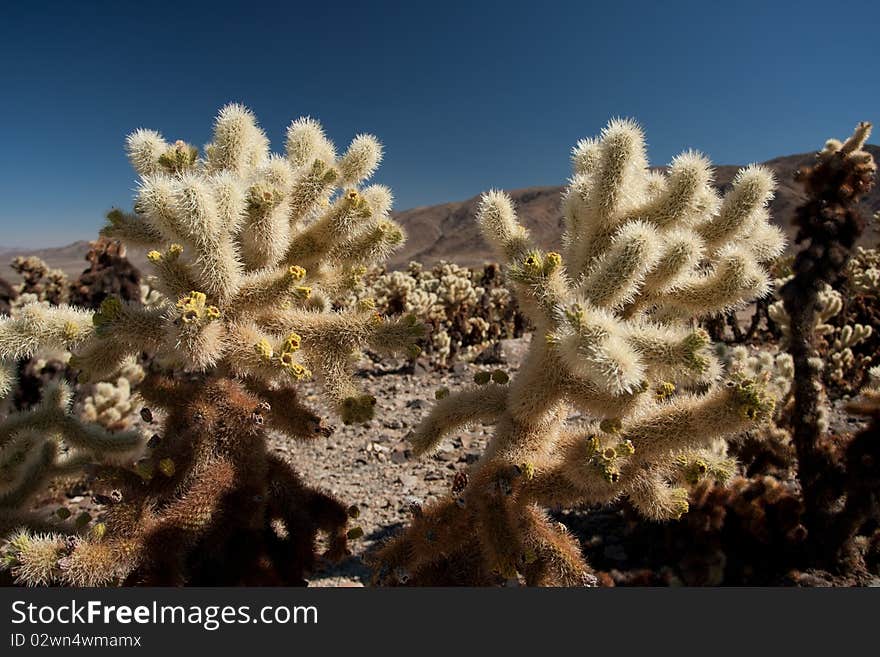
(465,95)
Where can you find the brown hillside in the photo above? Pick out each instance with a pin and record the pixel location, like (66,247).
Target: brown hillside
(449,231)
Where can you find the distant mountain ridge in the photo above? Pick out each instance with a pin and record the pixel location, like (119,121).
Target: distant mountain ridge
(449,231)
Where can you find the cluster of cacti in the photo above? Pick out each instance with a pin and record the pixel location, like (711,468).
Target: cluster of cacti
(111,403)
(466,310)
(839,363)
(247,248)
(863,272)
(40,282)
(768,448)
(645,254)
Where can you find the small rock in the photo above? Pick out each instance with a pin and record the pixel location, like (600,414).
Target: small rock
(408,481)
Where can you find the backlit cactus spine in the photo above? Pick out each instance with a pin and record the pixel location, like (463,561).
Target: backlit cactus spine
(645,255)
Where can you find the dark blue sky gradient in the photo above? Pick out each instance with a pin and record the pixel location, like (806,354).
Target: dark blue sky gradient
(465,95)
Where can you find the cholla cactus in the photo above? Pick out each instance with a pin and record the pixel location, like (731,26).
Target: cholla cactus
(863,272)
(775,369)
(111,403)
(246,248)
(47,442)
(829,222)
(829,303)
(466,309)
(39,279)
(645,255)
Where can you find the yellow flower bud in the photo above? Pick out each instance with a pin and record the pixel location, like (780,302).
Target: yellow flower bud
(166,467)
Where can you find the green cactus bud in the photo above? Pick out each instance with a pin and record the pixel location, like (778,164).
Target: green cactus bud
(145,468)
(611,425)
(166,467)
(441,393)
(500,376)
(482,378)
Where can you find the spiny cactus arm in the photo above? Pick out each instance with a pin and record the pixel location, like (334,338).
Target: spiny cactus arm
(670,352)
(120,330)
(654,498)
(551,555)
(466,407)
(27,475)
(588,397)
(166,392)
(131,229)
(173,277)
(36,326)
(53,417)
(735,279)
(20,447)
(311,191)
(342,220)
(438,529)
(239,144)
(614,278)
(679,253)
(752,190)
(32,558)
(374,244)
(500,227)
(576,208)
(694,421)
(333,369)
(266,233)
(186,210)
(95,561)
(129,324)
(685,196)
(145,148)
(8,377)
(99,359)
(595,348)
(765,241)
(612,166)
(360,161)
(323,331)
(269,288)
(286,413)
(541,286)
(396,335)
(307,143)
(256,353)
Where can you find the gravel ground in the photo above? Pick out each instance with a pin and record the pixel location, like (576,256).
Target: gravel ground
(371,466)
